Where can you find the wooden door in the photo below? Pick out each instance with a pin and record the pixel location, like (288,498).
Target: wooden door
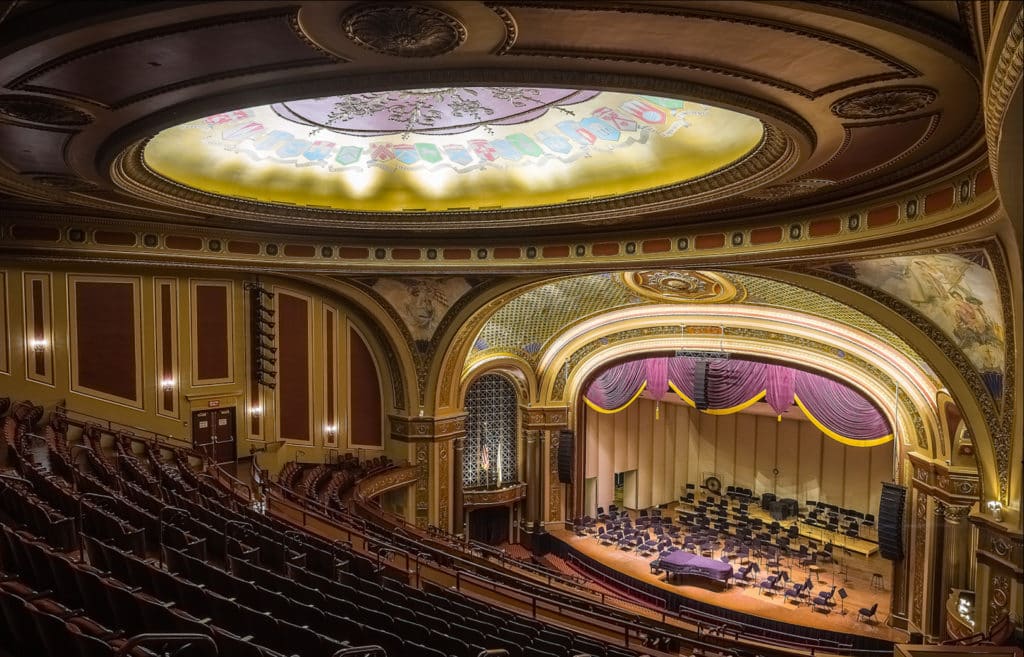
(202,431)
(224,440)
(213,432)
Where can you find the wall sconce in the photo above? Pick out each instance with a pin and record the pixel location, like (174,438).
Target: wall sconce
(997,510)
(38,345)
(331,429)
(167,384)
(256,410)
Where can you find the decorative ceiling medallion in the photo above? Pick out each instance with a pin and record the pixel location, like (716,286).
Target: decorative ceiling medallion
(881,103)
(42,110)
(791,188)
(676,286)
(403,30)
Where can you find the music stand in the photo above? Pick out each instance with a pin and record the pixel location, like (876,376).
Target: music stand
(842,601)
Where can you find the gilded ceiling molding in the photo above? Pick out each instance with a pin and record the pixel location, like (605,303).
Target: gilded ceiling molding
(973,201)
(1002,80)
(775,155)
(511,29)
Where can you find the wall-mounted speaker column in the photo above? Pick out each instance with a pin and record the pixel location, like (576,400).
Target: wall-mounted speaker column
(261,327)
(566,450)
(700,385)
(890,521)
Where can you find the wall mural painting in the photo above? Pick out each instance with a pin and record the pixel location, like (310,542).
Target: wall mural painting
(421,302)
(958,292)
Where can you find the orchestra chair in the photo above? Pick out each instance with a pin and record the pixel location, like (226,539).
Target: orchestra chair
(868,613)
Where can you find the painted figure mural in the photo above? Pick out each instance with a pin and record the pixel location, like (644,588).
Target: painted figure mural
(958,292)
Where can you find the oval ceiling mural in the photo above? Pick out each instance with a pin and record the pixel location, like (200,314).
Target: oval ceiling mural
(452,149)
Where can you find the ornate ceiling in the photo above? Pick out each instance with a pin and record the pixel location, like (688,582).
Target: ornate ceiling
(532,318)
(479,124)
(460,149)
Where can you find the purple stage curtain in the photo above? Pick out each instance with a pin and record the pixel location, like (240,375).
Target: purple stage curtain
(657,378)
(680,373)
(778,385)
(841,412)
(614,387)
(838,410)
(732,383)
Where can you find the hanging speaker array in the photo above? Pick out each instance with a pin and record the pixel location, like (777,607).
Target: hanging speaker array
(700,385)
(890,521)
(262,324)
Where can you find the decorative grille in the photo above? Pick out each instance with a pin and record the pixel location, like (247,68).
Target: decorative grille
(492,429)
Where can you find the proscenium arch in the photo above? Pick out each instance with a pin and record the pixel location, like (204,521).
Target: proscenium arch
(955,381)
(803,331)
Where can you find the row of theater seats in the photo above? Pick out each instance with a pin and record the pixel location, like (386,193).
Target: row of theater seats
(301,587)
(329,484)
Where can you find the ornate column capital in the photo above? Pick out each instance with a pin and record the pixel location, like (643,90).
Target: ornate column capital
(955,513)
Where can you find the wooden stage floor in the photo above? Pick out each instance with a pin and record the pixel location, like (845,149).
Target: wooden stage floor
(747,599)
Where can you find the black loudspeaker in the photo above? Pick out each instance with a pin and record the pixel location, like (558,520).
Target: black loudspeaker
(700,385)
(566,449)
(890,521)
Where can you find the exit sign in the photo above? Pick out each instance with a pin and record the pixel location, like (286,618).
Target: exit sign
(214,403)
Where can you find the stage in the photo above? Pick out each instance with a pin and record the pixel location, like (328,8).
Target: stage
(749,600)
(819,534)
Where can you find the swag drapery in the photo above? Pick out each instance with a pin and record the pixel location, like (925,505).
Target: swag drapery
(732,385)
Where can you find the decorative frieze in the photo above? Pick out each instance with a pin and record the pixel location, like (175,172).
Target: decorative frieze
(552,417)
(427,428)
(498,497)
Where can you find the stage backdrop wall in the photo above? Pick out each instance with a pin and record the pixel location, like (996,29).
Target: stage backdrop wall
(684,445)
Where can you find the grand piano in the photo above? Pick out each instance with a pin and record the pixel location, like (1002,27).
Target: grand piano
(681,564)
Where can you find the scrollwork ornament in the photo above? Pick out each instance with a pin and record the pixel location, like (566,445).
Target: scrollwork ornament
(882,103)
(1000,594)
(403,30)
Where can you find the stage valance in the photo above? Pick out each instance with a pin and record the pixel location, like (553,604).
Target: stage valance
(732,385)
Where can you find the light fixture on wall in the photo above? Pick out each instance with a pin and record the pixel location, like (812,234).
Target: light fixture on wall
(331,430)
(256,410)
(167,384)
(38,345)
(997,510)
